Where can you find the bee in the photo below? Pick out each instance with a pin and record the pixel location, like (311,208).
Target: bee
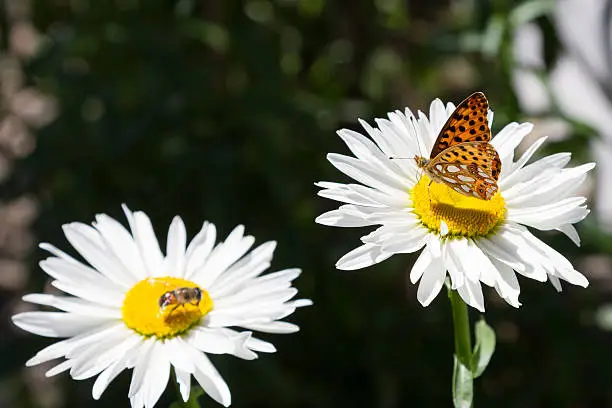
(180,297)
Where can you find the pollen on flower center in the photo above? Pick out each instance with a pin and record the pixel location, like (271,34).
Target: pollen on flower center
(142,311)
(464,216)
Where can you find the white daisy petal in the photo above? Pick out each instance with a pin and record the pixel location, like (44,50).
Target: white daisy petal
(209,379)
(183,378)
(563,268)
(407,243)
(139,363)
(89,291)
(365,255)
(220,341)
(343,217)
(107,292)
(200,248)
(86,358)
(273,327)
(88,242)
(425,126)
(60,368)
(490,116)
(365,174)
(180,357)
(64,347)
(55,324)
(106,377)
(463,258)
(443,228)
(58,253)
(547,217)
(515,245)
(499,253)
(555,282)
(242,302)
(219,318)
(247,282)
(110,373)
(431,282)
(74,305)
(175,248)
(438,115)
(155,379)
(508,139)
(524,159)
(457,276)
(260,345)
(120,242)
(570,231)
(368,152)
(553,162)
(506,283)
(546,187)
(104,358)
(386,144)
(471,292)
(223,256)
(421,265)
(483,267)
(387,234)
(395,136)
(244,270)
(147,244)
(364,196)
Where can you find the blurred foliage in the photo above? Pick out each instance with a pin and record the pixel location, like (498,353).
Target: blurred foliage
(224,111)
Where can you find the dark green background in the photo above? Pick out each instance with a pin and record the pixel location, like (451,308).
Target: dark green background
(225,111)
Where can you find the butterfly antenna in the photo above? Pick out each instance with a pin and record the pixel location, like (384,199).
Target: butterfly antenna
(416,135)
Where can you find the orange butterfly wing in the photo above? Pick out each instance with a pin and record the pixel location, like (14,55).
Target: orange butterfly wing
(470,168)
(468,123)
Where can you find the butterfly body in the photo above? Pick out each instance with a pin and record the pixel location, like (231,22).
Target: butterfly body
(462,157)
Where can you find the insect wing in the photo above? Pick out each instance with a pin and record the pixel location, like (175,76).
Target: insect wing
(471,169)
(468,123)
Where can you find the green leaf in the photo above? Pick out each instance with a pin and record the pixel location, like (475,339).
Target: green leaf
(484,348)
(463,390)
(529,11)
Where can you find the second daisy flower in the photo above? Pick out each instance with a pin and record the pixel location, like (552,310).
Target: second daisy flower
(476,241)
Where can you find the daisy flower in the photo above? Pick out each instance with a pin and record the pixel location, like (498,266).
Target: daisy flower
(132,307)
(475,240)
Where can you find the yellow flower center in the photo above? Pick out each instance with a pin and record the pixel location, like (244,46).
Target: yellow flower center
(465,216)
(142,311)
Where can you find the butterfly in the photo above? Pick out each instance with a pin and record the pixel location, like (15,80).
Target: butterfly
(462,157)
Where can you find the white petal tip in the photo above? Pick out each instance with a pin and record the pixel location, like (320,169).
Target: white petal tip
(32,362)
(426,302)
(583,284)
(343,267)
(514,303)
(304,303)
(443,228)
(321,219)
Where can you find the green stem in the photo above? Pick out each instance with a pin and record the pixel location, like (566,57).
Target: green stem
(192,403)
(461,324)
(463,379)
